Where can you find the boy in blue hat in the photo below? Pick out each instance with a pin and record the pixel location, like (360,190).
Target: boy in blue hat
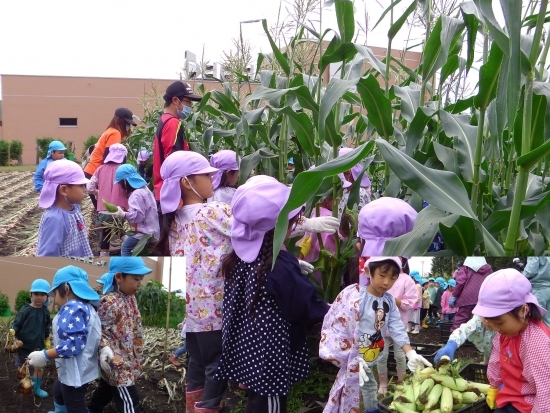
(56,151)
(121,348)
(77,332)
(32,327)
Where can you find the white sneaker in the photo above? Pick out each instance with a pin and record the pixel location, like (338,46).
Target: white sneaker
(416,330)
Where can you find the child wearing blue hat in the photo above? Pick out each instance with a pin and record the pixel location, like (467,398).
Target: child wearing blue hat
(56,151)
(142,207)
(77,333)
(121,348)
(446,309)
(32,327)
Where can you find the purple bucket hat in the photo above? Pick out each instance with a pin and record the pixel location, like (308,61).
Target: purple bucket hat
(382,219)
(502,291)
(117,153)
(256,206)
(225,160)
(356,170)
(58,173)
(176,166)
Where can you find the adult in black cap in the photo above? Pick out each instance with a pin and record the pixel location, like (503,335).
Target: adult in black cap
(118,129)
(170,134)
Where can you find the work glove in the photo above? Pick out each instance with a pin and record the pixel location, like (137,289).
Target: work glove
(120,214)
(47,344)
(106,357)
(319,224)
(38,359)
(305,246)
(363,370)
(452,302)
(416,360)
(448,350)
(492,397)
(305,267)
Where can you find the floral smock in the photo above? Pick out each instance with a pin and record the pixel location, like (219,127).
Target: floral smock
(202,233)
(122,331)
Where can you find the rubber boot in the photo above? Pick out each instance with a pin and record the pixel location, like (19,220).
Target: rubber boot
(192,397)
(208,409)
(408,327)
(424,325)
(430,320)
(59,408)
(401,375)
(416,329)
(38,392)
(383,383)
(372,411)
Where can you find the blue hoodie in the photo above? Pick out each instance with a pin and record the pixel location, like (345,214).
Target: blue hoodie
(39,174)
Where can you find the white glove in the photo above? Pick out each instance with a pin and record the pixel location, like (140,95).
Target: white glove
(38,359)
(106,357)
(415,360)
(305,267)
(320,224)
(120,214)
(363,370)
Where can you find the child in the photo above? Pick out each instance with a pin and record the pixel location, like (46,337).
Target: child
(32,327)
(121,348)
(432,311)
(265,311)
(102,185)
(182,350)
(225,180)
(56,151)
(62,231)
(145,167)
(448,312)
(77,333)
(348,178)
(142,207)
(519,367)
(426,300)
(439,284)
(354,333)
(413,326)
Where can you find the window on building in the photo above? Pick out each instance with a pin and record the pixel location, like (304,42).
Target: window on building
(64,122)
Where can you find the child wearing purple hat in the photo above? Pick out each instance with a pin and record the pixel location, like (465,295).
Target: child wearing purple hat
(62,231)
(348,178)
(225,180)
(519,366)
(102,186)
(259,299)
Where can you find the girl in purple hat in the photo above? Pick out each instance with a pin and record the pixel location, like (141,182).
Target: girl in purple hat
(62,231)
(102,186)
(519,367)
(348,178)
(225,180)
(265,310)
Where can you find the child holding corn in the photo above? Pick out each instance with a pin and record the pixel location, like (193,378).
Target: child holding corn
(519,367)
(77,332)
(32,327)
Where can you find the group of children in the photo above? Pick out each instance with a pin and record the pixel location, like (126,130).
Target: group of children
(91,335)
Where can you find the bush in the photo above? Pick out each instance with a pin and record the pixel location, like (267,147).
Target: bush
(11,150)
(4,303)
(23,298)
(152,301)
(92,140)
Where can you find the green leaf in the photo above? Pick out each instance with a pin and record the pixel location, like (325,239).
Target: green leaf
(460,236)
(305,133)
(142,243)
(394,29)
(488,78)
(470,17)
(417,126)
(225,103)
(307,183)
(448,157)
(280,57)
(410,99)
(465,135)
(441,189)
(530,159)
(543,89)
(449,68)
(345,19)
(378,106)
(499,220)
(386,11)
(249,162)
(223,132)
(334,91)
(207,139)
(373,60)
(339,52)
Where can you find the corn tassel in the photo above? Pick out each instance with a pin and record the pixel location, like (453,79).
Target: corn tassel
(450,382)
(446,403)
(433,397)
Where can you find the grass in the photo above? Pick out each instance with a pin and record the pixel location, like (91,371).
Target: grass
(17,168)
(172,323)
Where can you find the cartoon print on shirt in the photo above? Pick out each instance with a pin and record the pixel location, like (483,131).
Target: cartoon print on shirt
(370,345)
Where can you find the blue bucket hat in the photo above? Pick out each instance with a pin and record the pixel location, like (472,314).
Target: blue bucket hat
(107,288)
(55,146)
(77,278)
(40,286)
(440,281)
(423,281)
(129,173)
(124,265)
(451,283)
(431,279)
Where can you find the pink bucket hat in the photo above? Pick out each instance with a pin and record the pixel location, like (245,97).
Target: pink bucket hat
(176,166)
(382,219)
(502,291)
(256,206)
(117,153)
(225,160)
(356,170)
(58,173)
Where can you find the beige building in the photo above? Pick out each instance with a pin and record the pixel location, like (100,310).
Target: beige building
(18,273)
(74,108)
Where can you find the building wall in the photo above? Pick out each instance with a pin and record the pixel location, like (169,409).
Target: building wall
(18,273)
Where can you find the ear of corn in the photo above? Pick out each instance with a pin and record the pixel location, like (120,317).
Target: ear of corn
(109,207)
(446,403)
(425,388)
(402,409)
(450,382)
(416,390)
(426,373)
(469,397)
(458,406)
(483,388)
(434,396)
(457,397)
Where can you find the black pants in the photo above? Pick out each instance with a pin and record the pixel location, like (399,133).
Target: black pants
(265,404)
(432,311)
(92,197)
(126,398)
(70,397)
(205,350)
(507,409)
(423,312)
